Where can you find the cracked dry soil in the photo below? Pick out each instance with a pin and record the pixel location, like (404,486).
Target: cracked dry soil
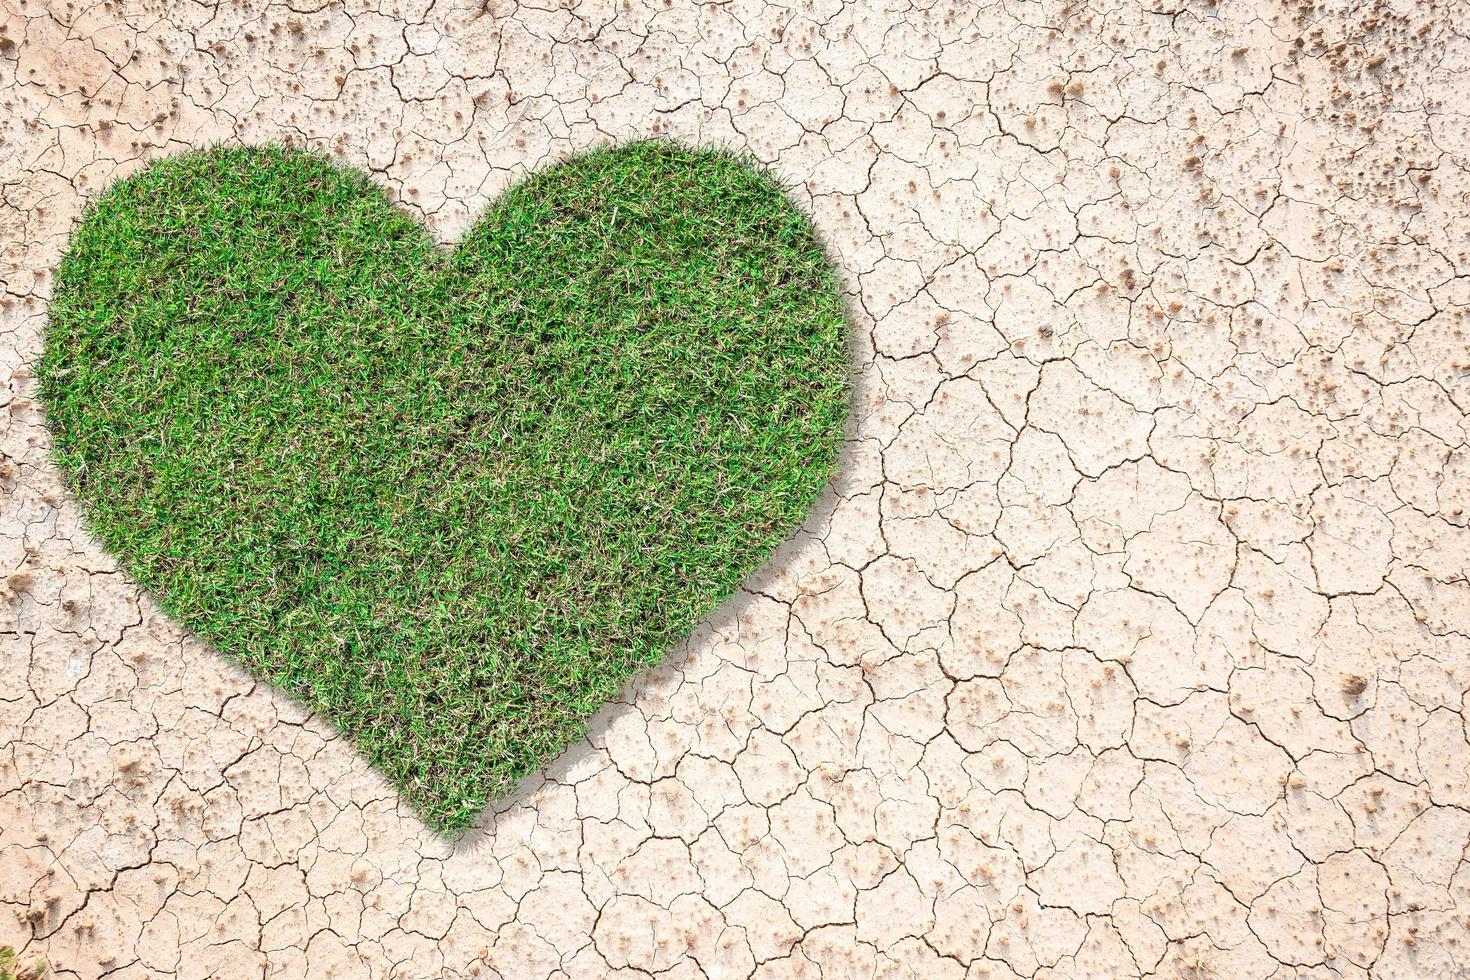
(1133,639)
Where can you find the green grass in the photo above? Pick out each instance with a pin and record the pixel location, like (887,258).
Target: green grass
(12,969)
(454,499)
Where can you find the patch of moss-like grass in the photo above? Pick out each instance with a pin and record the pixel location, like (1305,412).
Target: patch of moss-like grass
(11,967)
(452,499)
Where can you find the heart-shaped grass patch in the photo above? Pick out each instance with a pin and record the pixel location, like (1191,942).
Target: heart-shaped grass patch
(452,499)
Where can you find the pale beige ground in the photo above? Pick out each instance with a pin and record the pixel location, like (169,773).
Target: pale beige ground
(1135,638)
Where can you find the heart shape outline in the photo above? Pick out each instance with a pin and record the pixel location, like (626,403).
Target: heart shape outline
(227,383)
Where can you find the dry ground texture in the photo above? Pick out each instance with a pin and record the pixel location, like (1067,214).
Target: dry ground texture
(1133,639)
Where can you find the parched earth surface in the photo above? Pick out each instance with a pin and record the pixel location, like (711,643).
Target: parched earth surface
(1133,639)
